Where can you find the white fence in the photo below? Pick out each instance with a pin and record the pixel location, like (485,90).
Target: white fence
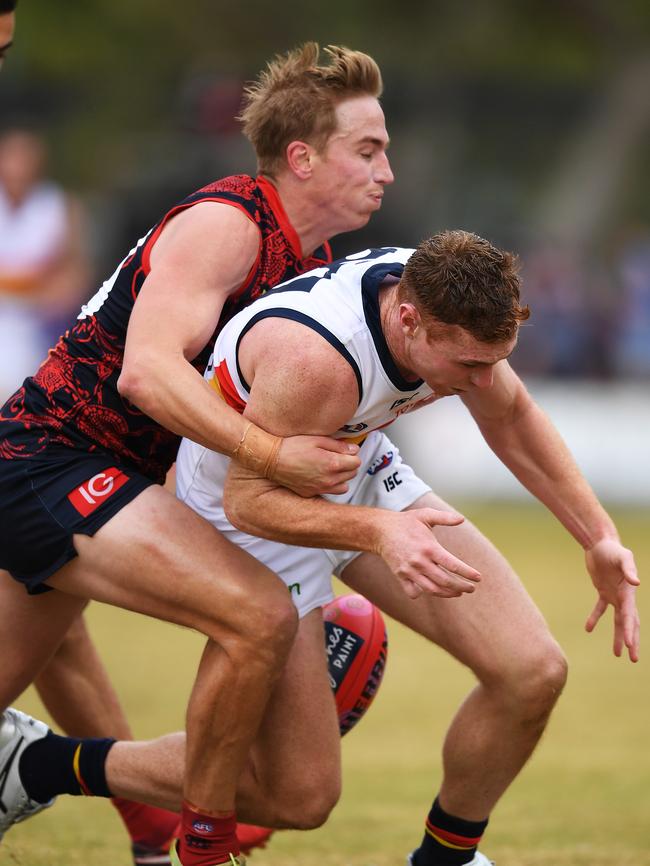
(607,427)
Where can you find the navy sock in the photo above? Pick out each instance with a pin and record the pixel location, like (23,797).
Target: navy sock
(448,840)
(64,765)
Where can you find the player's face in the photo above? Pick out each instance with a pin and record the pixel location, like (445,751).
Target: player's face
(7,22)
(452,361)
(351,171)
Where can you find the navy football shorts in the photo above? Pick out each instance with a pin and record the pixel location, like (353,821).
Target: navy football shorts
(46,498)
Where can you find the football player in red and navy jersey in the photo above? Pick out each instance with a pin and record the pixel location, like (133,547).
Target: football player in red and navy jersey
(87,441)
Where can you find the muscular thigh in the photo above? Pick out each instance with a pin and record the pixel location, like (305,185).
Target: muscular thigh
(156,556)
(299,739)
(497,626)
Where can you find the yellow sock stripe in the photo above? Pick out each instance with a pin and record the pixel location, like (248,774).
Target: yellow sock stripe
(77,772)
(447,844)
(173,855)
(174,859)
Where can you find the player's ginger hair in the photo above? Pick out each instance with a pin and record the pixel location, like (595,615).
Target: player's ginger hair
(459,278)
(294,99)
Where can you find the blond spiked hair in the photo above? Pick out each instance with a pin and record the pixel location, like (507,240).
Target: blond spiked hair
(294,99)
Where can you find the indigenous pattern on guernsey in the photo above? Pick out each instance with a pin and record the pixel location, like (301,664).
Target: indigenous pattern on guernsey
(73,401)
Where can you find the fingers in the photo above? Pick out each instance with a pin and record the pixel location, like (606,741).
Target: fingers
(599,609)
(414,589)
(454,566)
(342,464)
(411,589)
(339,446)
(629,569)
(627,629)
(432,517)
(434,580)
(626,625)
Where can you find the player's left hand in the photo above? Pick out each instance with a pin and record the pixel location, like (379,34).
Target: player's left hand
(614,575)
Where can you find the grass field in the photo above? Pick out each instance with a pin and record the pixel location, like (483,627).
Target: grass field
(584,800)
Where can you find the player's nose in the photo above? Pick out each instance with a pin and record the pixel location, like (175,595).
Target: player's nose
(384,173)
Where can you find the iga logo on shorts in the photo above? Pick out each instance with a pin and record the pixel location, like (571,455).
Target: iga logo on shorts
(380,463)
(90,495)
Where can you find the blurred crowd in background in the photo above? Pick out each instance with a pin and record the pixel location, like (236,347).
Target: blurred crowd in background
(528,123)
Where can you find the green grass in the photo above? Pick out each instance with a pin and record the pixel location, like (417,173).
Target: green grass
(584,799)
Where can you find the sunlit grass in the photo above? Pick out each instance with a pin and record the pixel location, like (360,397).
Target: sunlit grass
(584,799)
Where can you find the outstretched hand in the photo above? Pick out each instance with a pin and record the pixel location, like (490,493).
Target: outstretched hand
(614,575)
(416,557)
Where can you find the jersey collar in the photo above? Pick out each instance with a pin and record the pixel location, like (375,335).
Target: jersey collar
(273,197)
(370,286)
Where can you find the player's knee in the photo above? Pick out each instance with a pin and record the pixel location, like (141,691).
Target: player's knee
(273,626)
(316,813)
(253,624)
(538,682)
(264,638)
(308,805)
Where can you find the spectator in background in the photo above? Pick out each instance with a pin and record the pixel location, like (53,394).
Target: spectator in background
(43,266)
(632,348)
(7,23)
(555,287)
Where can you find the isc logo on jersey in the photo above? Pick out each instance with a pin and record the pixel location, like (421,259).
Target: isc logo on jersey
(92,493)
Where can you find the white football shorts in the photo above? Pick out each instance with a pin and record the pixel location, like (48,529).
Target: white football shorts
(383,481)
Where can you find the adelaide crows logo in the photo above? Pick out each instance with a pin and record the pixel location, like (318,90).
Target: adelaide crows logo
(380,463)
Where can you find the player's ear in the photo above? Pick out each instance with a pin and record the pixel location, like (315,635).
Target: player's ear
(410,319)
(299,159)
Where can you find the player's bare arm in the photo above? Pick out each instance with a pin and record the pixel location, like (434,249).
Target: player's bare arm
(526,441)
(300,384)
(202,256)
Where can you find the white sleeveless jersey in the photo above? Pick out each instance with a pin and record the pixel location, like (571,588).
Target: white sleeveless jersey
(341,303)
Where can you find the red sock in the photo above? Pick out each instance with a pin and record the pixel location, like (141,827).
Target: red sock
(147,825)
(205,839)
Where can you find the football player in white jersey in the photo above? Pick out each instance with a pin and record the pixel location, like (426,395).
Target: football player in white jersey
(442,325)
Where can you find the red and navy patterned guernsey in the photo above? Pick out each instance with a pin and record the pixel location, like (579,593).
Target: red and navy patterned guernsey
(73,401)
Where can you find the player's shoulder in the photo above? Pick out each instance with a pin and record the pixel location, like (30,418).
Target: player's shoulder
(235,198)
(236,188)
(209,229)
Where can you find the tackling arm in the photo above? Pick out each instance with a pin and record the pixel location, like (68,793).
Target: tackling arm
(203,256)
(308,387)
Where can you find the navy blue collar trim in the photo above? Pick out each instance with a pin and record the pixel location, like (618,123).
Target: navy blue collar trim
(370,285)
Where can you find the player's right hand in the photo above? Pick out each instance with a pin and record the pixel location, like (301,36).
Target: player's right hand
(412,552)
(313,465)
